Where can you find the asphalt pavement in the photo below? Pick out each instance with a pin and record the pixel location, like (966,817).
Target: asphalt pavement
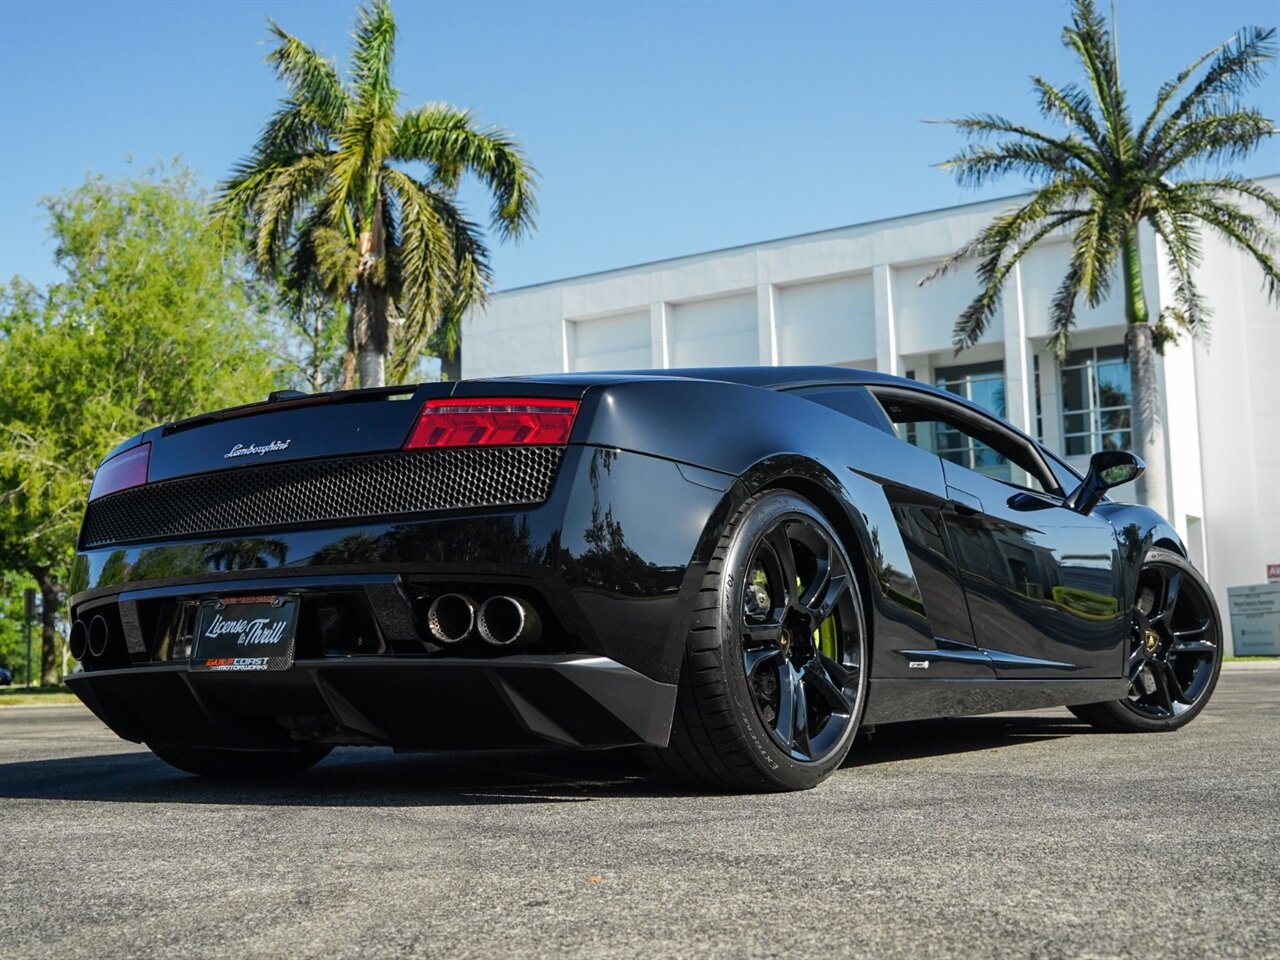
(1004,836)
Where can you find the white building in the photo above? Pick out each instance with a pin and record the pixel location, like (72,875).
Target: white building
(852,297)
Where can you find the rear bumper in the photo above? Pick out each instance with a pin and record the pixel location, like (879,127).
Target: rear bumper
(409,703)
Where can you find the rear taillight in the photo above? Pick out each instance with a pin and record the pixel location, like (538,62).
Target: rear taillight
(125,470)
(492,422)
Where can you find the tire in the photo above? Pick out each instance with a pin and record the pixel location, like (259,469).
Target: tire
(239,764)
(723,735)
(1175,652)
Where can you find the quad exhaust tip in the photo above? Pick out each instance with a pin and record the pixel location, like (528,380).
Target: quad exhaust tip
(451,617)
(508,621)
(78,641)
(99,635)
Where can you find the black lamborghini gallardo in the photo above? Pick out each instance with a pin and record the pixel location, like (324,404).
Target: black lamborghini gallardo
(733,569)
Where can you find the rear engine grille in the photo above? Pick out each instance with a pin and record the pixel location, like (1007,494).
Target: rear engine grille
(252,498)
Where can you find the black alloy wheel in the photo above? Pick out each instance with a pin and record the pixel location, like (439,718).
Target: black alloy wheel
(775,673)
(1175,651)
(799,631)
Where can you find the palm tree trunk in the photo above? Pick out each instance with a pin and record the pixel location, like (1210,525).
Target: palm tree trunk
(1144,386)
(372,326)
(451,367)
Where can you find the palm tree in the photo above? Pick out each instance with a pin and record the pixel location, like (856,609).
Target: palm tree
(334,194)
(1105,178)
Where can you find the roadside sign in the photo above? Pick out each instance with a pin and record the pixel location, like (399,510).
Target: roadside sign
(1273,573)
(1255,619)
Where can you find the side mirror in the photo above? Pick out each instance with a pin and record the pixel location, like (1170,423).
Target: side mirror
(1107,469)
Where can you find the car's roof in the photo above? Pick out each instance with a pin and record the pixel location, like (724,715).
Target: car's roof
(770,378)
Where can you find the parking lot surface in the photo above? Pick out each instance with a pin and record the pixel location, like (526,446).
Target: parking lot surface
(1010,835)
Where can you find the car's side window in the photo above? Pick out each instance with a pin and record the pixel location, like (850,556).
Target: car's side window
(853,402)
(967,440)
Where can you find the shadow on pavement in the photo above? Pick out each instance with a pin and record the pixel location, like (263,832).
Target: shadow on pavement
(374,777)
(934,738)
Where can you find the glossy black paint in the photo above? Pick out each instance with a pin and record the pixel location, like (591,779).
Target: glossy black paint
(656,466)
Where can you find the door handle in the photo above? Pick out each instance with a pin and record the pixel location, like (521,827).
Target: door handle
(963,504)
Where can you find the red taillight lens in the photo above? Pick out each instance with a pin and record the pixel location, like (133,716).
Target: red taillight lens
(125,470)
(492,422)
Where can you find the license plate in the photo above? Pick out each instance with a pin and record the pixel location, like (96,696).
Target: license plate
(245,633)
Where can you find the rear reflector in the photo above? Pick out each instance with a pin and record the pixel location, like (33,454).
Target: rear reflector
(493,422)
(125,470)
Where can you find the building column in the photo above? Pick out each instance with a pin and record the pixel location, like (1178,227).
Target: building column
(886,328)
(1018,376)
(1051,402)
(660,353)
(766,325)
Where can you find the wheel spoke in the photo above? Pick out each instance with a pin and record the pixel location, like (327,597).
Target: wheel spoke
(780,543)
(1204,648)
(762,633)
(822,604)
(1172,587)
(751,659)
(1205,624)
(785,725)
(1163,692)
(836,699)
(842,676)
(800,712)
(1173,685)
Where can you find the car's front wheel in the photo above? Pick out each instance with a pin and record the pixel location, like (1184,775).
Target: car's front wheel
(1175,651)
(775,672)
(239,764)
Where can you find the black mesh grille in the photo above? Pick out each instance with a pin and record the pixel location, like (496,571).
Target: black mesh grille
(288,493)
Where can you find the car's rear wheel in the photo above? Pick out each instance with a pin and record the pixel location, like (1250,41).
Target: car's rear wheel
(774,678)
(239,764)
(1175,651)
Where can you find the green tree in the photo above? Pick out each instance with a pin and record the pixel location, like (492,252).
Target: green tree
(1107,176)
(148,326)
(327,192)
(309,327)
(13,644)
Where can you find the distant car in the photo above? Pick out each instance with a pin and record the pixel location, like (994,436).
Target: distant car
(732,568)
(6,677)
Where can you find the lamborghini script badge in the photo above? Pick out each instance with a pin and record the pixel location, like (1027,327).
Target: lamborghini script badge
(253,450)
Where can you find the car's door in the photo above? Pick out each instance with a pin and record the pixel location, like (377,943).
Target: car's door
(1043,582)
(916,505)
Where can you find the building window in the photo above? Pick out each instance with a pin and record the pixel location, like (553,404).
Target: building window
(983,384)
(1095,401)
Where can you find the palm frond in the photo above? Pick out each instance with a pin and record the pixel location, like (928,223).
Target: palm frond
(1211,139)
(1071,105)
(314,86)
(1232,184)
(1181,241)
(1166,92)
(1062,312)
(1238,227)
(282,196)
(375,45)
(981,126)
(448,139)
(426,256)
(1238,66)
(1095,248)
(1007,227)
(1037,162)
(992,272)
(1091,40)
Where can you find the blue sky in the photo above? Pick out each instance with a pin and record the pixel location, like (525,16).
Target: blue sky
(659,128)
